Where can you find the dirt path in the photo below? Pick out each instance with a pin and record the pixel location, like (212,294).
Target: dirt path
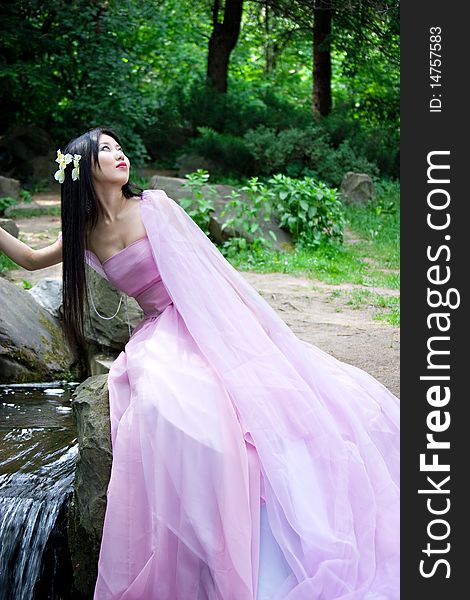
(319,316)
(316,312)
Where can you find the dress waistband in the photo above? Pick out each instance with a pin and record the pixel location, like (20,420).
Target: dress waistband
(154,300)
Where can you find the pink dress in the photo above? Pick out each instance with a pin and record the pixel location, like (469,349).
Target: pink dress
(247,464)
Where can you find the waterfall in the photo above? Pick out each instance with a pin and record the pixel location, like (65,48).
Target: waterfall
(38,450)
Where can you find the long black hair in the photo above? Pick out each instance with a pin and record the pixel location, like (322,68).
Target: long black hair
(80,210)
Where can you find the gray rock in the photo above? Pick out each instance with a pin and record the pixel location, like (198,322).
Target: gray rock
(101,363)
(29,207)
(10,226)
(87,508)
(109,334)
(189,163)
(32,344)
(48,293)
(9,187)
(357,188)
(173,187)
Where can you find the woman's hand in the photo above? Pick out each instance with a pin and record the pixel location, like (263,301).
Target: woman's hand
(28,258)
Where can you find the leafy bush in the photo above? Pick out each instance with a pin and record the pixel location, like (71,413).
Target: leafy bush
(26,196)
(335,163)
(246,105)
(379,143)
(5,202)
(307,151)
(200,203)
(228,153)
(6,263)
(309,209)
(245,215)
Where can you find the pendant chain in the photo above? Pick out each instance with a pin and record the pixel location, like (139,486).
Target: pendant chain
(117,310)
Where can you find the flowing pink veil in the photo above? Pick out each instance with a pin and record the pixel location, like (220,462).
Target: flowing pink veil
(326,433)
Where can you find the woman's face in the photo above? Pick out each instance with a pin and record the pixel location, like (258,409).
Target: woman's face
(113,162)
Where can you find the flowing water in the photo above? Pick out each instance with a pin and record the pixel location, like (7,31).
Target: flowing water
(38,449)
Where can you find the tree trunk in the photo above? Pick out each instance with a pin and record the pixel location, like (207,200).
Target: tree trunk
(222,41)
(322,60)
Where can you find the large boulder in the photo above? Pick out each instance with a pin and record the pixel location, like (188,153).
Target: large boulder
(10,226)
(357,188)
(29,208)
(173,186)
(32,344)
(189,163)
(87,509)
(9,187)
(106,335)
(48,293)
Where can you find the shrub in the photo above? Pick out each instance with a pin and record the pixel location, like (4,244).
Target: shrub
(228,153)
(245,216)
(309,209)
(5,202)
(199,204)
(379,143)
(245,106)
(307,152)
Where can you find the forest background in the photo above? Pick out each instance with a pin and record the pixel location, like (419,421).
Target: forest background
(306,89)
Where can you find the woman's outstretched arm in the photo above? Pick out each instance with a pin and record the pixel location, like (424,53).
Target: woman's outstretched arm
(27,257)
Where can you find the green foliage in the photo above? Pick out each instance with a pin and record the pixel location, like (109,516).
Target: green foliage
(379,143)
(307,151)
(80,63)
(5,202)
(245,106)
(370,262)
(366,52)
(27,285)
(141,68)
(309,209)
(200,204)
(26,196)
(379,222)
(228,153)
(391,309)
(6,264)
(244,215)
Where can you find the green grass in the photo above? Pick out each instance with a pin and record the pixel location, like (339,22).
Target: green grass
(388,306)
(378,226)
(372,261)
(360,264)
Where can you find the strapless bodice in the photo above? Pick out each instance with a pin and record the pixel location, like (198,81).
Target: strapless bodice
(133,270)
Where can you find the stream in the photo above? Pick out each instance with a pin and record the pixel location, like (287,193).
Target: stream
(38,449)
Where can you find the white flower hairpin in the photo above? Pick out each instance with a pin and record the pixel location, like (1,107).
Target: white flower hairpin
(64,160)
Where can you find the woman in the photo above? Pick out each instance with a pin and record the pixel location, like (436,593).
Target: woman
(247,464)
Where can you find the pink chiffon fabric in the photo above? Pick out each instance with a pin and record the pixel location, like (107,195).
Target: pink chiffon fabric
(247,463)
